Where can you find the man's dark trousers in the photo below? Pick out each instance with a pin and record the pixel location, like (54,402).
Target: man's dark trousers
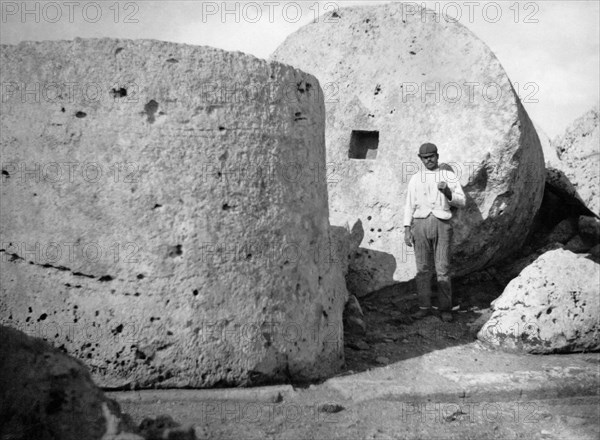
(432,238)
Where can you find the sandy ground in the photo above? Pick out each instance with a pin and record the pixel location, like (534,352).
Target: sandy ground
(303,418)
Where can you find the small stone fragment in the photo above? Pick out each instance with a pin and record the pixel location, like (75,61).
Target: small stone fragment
(577,245)
(382,360)
(362,345)
(331,408)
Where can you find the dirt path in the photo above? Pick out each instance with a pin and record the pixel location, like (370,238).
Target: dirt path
(303,417)
(393,336)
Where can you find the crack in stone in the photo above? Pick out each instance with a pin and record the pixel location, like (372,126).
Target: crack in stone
(15,257)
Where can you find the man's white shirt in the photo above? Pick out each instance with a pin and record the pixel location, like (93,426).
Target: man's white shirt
(423,196)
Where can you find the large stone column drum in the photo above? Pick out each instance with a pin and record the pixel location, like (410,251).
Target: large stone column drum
(395,76)
(163,217)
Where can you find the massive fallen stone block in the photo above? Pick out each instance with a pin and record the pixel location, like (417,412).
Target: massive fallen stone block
(579,153)
(551,306)
(395,76)
(551,159)
(163,214)
(567,178)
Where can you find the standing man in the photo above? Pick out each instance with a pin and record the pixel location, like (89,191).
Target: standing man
(429,196)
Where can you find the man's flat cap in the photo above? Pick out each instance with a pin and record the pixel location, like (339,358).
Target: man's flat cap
(427,148)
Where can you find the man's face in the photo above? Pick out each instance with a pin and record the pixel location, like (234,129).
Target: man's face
(430,160)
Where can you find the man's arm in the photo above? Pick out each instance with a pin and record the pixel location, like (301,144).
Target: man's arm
(409,205)
(453,192)
(409,209)
(458,196)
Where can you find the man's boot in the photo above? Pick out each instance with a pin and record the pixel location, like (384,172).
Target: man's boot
(421,313)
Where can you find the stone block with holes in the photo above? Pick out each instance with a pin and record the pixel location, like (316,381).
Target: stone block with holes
(552,306)
(163,217)
(395,76)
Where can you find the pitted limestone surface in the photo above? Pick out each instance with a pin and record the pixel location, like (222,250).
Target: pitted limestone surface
(160,219)
(395,77)
(552,306)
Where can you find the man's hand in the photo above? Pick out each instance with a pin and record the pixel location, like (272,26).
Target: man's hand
(443,187)
(408,237)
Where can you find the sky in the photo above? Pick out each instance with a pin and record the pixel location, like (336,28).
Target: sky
(549,49)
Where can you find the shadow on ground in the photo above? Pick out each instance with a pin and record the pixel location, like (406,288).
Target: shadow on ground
(392,335)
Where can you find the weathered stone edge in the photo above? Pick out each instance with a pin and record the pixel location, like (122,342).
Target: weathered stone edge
(266,394)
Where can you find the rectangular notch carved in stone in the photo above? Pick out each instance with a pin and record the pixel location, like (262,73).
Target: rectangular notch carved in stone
(363,144)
